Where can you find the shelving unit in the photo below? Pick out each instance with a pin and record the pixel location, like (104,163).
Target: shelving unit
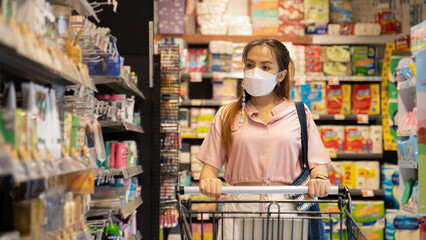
(126,173)
(307,39)
(25,67)
(124,211)
(119,126)
(118,85)
(411,92)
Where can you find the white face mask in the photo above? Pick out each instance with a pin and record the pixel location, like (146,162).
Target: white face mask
(258,82)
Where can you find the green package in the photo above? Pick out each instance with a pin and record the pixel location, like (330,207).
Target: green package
(364,59)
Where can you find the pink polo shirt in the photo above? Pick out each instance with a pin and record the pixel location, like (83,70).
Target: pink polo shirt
(262,152)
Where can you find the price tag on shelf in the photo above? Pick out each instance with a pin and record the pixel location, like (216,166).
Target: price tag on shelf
(196,102)
(218,76)
(362,118)
(299,80)
(333,80)
(367,193)
(195,77)
(339,117)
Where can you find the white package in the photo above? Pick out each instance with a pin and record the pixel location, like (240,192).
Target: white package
(376,143)
(368,175)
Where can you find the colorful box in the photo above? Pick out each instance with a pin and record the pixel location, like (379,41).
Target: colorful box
(291,16)
(341,12)
(366,98)
(335,173)
(339,99)
(418,36)
(333,137)
(313,95)
(341,29)
(265,17)
(313,58)
(171,16)
(356,138)
(364,60)
(369,213)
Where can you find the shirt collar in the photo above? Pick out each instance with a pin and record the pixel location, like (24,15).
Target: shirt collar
(276,111)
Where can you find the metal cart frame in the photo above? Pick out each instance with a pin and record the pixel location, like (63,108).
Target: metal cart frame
(272,226)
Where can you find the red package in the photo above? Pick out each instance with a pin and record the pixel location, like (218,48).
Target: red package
(313,58)
(388,23)
(366,99)
(333,137)
(192,60)
(339,99)
(422,227)
(356,138)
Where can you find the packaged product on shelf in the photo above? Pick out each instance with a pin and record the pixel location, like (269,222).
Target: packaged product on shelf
(313,95)
(185,153)
(364,60)
(132,153)
(204,120)
(341,11)
(336,60)
(316,16)
(369,213)
(388,22)
(237,55)
(366,98)
(291,16)
(183,117)
(368,175)
(390,184)
(341,29)
(335,173)
(171,17)
(367,29)
(239,25)
(210,17)
(373,233)
(375,140)
(313,58)
(225,90)
(422,227)
(196,166)
(338,53)
(197,60)
(333,137)
(401,225)
(356,138)
(417,40)
(265,17)
(297,53)
(339,99)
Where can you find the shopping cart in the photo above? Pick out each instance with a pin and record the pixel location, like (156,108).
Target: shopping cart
(272,223)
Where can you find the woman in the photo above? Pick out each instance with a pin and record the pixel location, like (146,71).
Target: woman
(257,137)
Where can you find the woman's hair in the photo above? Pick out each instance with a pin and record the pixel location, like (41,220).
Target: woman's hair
(282,90)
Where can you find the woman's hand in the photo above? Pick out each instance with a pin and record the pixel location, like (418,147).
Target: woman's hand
(211,187)
(318,187)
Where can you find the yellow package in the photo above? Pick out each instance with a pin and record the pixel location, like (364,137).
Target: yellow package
(349,174)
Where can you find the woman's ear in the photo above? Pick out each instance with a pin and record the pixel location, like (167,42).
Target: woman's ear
(281,76)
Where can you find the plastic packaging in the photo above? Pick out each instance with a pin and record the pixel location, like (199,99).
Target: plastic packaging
(366,98)
(364,60)
(339,99)
(390,184)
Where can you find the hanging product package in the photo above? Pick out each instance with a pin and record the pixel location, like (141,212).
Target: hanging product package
(99,142)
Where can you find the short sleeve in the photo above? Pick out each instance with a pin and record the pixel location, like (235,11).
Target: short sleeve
(212,150)
(317,154)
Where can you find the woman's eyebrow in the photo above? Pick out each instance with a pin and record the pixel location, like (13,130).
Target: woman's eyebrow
(249,60)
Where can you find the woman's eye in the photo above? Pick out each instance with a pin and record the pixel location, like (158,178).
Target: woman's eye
(248,65)
(266,68)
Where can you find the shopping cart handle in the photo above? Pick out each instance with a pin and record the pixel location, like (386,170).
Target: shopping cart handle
(260,190)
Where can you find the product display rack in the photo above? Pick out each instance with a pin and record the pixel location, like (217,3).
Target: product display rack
(124,211)
(118,85)
(411,93)
(307,39)
(119,126)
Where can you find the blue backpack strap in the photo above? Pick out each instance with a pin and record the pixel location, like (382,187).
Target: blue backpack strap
(300,108)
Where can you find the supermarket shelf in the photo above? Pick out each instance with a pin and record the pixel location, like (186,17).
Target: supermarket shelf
(307,39)
(205,39)
(407,164)
(23,171)
(204,103)
(352,39)
(82,7)
(118,85)
(366,193)
(25,67)
(126,173)
(341,117)
(118,126)
(9,236)
(240,75)
(124,211)
(409,85)
(406,132)
(358,156)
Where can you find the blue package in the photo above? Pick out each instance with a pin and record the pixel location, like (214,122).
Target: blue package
(406,222)
(389,176)
(316,29)
(95,67)
(341,12)
(400,150)
(113,65)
